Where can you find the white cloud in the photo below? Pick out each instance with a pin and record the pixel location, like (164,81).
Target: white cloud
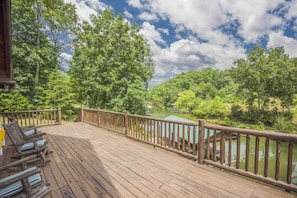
(277,39)
(134,3)
(127,14)
(147,16)
(164,30)
(86,7)
(152,35)
(292,9)
(253,17)
(65,58)
(188,55)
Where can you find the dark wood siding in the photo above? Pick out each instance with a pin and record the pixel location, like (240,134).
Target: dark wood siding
(5,44)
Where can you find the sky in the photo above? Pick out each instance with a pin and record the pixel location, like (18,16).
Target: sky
(189,35)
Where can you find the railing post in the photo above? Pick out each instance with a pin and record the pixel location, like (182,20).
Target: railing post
(201,142)
(59,116)
(98,118)
(81,114)
(126,123)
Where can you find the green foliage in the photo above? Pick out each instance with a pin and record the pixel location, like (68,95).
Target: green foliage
(283,124)
(57,94)
(13,101)
(214,108)
(259,126)
(111,63)
(266,75)
(217,107)
(201,110)
(37,28)
(185,100)
(205,84)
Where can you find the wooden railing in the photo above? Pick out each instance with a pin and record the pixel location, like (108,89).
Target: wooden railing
(246,152)
(33,117)
(261,155)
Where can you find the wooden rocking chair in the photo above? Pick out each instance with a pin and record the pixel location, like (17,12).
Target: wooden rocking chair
(25,147)
(26,183)
(27,132)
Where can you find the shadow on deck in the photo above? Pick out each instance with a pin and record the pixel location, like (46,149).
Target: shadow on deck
(92,162)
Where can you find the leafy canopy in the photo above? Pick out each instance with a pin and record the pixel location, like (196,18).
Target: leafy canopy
(111,64)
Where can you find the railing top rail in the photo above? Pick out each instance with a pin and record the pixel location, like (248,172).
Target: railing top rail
(28,111)
(165,120)
(272,135)
(146,117)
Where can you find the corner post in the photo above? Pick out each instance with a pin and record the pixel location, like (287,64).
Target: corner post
(126,123)
(81,114)
(98,117)
(201,142)
(59,116)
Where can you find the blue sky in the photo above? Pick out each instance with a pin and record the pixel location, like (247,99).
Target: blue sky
(187,35)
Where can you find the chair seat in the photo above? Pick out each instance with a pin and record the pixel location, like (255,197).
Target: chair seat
(32,132)
(17,187)
(30,145)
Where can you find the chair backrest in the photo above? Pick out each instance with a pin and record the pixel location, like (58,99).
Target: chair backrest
(14,133)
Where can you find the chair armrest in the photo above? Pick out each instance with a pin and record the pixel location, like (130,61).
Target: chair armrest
(32,126)
(19,176)
(18,162)
(35,136)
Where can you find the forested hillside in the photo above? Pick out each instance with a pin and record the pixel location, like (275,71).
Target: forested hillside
(259,90)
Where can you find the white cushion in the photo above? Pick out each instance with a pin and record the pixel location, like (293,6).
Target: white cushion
(32,132)
(17,187)
(30,145)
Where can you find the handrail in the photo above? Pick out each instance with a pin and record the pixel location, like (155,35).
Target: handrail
(238,150)
(233,149)
(33,117)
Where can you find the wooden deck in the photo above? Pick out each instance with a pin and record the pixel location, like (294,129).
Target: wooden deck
(91,162)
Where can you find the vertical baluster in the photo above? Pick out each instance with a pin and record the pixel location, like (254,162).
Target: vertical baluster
(174,135)
(164,129)
(146,130)
(151,129)
(214,146)
(256,164)
(208,145)
(158,132)
(238,151)
(222,147)
(170,134)
(229,149)
(247,153)
(189,139)
(266,157)
(25,115)
(183,140)
(194,143)
(277,161)
(178,138)
(290,160)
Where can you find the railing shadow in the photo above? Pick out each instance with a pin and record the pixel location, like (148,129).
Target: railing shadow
(76,169)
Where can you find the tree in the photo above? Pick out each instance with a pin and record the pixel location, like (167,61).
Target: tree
(111,61)
(264,76)
(13,100)
(57,94)
(252,75)
(37,28)
(185,100)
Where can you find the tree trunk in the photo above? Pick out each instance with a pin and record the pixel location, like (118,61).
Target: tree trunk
(38,20)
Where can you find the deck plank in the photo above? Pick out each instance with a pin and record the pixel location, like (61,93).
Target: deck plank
(92,162)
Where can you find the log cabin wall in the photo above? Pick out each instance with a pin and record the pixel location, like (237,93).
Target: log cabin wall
(6,73)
